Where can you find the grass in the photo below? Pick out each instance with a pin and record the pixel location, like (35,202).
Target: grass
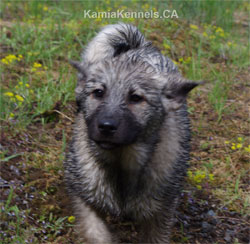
(50,36)
(18,230)
(207,43)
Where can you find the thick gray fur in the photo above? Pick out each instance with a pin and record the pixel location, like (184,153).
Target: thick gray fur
(137,170)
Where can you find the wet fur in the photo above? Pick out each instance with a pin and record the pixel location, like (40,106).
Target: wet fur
(140,179)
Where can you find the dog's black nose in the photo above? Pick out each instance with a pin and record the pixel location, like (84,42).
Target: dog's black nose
(107,126)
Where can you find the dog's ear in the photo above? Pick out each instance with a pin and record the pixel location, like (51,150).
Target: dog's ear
(175,91)
(77,65)
(81,76)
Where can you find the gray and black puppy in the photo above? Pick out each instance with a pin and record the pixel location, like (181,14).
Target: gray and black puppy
(129,152)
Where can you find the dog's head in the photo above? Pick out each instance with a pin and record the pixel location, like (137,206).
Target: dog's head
(124,100)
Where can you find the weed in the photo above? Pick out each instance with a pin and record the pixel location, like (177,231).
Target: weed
(199,178)
(13,222)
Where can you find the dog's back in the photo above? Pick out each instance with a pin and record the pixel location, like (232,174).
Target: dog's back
(114,40)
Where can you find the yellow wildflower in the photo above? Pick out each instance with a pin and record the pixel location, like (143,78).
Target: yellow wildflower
(219,30)
(9,94)
(194,27)
(187,60)
(239,145)
(222,34)
(37,65)
(205,34)
(247,149)
(71,219)
(239,139)
(98,20)
(27,85)
(10,58)
(199,187)
(20,83)
(19,98)
(145,6)
(226,142)
(211,177)
(176,63)
(4,61)
(189,173)
(166,46)
(199,177)
(19,57)
(233,147)
(12,115)
(45,8)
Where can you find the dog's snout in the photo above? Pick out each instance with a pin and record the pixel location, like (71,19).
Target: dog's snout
(107,126)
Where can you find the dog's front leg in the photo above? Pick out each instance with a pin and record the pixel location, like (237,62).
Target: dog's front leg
(157,229)
(90,227)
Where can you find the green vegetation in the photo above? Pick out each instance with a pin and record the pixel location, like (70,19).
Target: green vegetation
(207,42)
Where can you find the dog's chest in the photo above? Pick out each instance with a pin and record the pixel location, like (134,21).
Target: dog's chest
(119,192)
(128,184)
(120,184)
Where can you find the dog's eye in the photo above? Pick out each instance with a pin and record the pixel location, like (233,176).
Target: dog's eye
(169,96)
(134,98)
(98,93)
